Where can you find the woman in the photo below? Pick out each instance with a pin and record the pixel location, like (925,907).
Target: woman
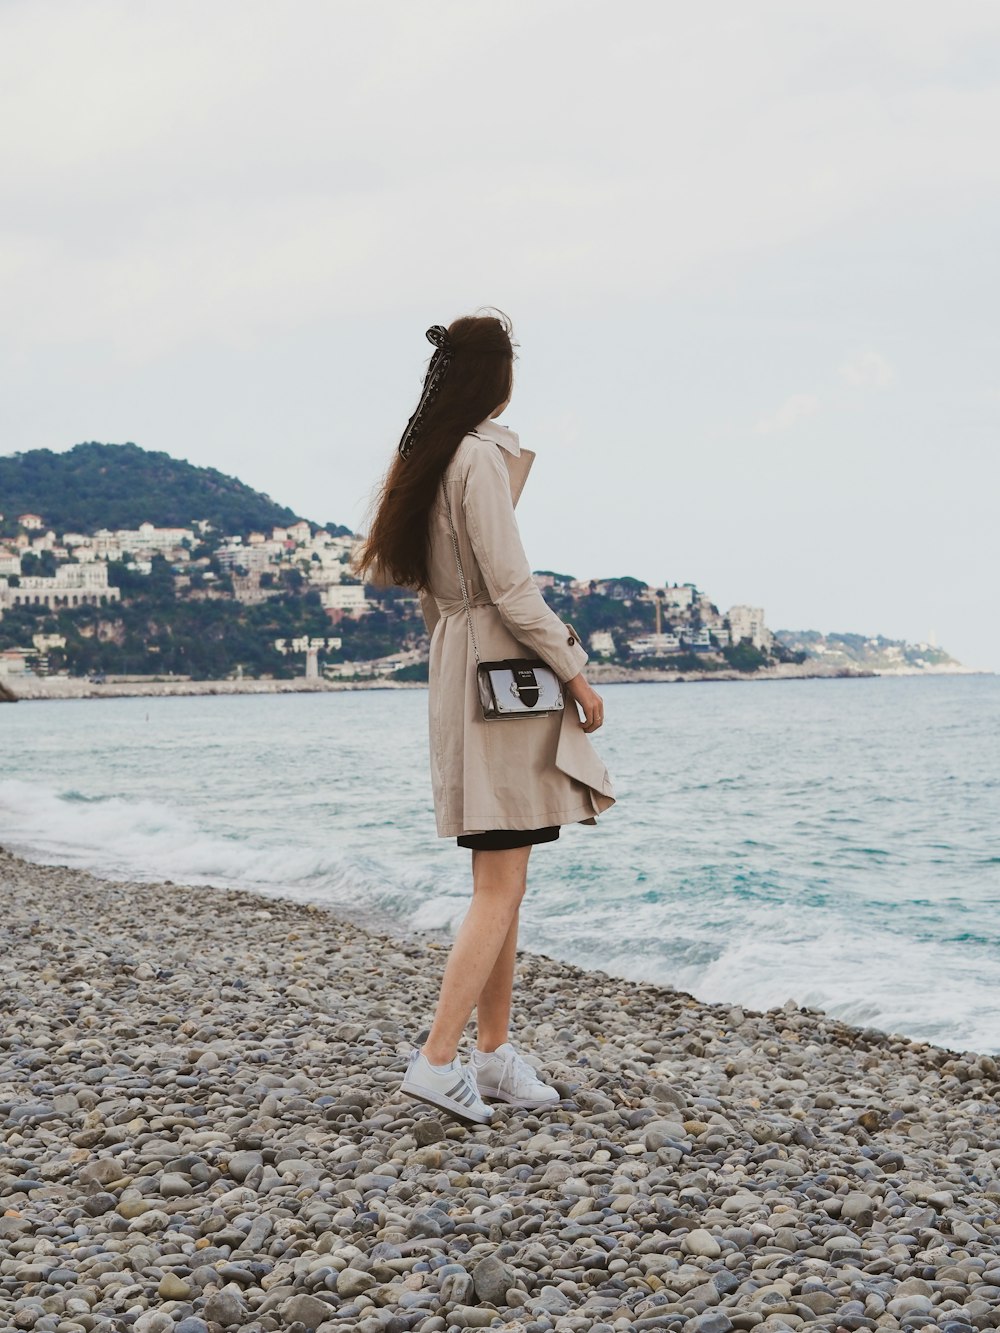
(499,786)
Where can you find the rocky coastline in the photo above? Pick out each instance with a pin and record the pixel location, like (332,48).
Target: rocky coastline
(35,688)
(76,687)
(202,1133)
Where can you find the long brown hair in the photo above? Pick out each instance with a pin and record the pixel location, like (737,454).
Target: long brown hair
(477,380)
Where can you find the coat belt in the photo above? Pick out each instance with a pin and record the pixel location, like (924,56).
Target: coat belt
(446,608)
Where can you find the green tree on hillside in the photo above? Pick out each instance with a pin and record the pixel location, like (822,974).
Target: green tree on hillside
(745,657)
(122,485)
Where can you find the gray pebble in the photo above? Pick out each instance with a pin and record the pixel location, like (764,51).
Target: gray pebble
(225,1307)
(492,1278)
(353,1282)
(306,1310)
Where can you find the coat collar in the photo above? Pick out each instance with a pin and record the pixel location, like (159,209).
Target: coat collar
(499,434)
(518,460)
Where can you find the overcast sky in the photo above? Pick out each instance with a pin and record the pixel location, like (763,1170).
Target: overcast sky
(750,252)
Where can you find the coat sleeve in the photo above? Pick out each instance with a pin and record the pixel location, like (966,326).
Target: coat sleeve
(496,544)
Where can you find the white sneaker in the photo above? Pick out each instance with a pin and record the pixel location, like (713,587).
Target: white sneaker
(453,1090)
(505,1076)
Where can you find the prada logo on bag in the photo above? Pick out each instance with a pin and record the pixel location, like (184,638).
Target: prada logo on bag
(525,685)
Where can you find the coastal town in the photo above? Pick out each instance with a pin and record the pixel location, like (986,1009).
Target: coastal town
(61,585)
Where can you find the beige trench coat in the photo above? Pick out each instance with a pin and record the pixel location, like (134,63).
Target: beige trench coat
(522,773)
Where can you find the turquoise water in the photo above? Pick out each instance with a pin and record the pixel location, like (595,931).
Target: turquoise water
(833,842)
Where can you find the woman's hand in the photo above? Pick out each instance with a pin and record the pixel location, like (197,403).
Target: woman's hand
(589,700)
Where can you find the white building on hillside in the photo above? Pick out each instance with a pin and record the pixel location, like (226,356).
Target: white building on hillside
(327,558)
(679,595)
(234,555)
(144,541)
(14,661)
(602,643)
(747,622)
(695,638)
(655,645)
(71,585)
(147,540)
(344,599)
(103,545)
(299,532)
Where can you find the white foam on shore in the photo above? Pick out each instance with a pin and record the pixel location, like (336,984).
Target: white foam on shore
(861,979)
(145,841)
(873,971)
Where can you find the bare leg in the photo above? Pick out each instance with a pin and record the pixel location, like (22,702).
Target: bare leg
(493,1005)
(498,886)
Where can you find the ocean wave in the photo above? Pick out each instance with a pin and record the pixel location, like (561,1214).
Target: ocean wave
(863,978)
(143,840)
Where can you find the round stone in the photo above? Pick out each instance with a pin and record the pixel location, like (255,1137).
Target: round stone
(173,1288)
(354,1282)
(307,1310)
(701,1242)
(225,1307)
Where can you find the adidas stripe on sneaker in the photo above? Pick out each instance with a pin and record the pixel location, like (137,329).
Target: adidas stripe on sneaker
(452,1089)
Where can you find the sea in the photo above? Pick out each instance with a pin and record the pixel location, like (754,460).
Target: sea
(832,842)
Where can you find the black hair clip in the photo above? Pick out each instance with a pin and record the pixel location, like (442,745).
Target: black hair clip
(440,337)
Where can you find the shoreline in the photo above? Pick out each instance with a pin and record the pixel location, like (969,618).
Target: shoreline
(37,688)
(197,1092)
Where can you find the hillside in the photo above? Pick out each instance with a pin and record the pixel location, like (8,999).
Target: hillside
(218,604)
(874,652)
(122,485)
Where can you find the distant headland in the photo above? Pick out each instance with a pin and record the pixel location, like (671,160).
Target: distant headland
(124,570)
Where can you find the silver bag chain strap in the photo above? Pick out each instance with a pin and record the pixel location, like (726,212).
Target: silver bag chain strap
(461,577)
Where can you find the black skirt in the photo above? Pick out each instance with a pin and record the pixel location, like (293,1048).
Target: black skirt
(503,839)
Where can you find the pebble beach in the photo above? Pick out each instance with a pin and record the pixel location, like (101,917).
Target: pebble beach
(201,1132)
